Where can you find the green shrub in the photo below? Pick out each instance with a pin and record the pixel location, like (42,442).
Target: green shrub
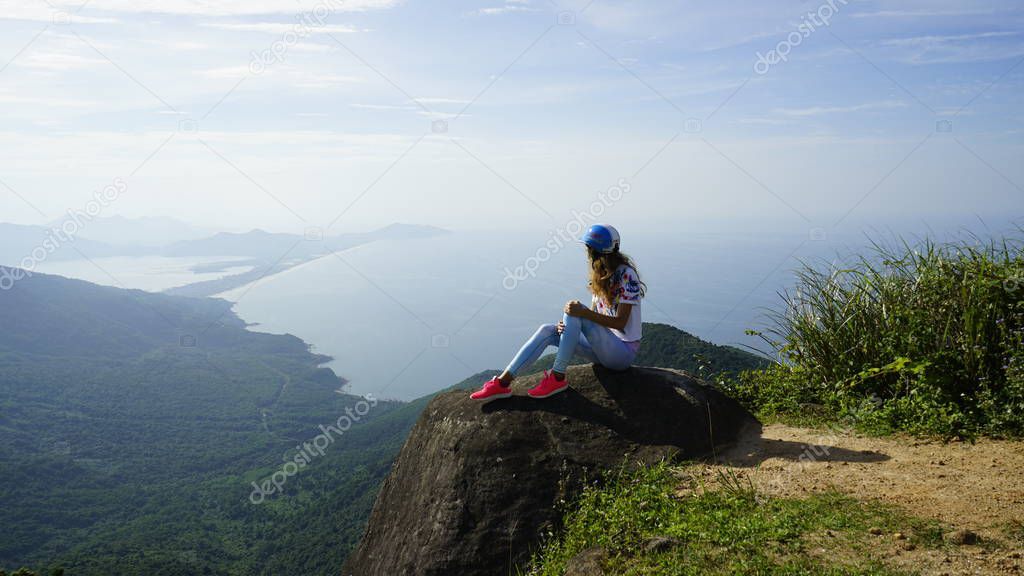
(931,334)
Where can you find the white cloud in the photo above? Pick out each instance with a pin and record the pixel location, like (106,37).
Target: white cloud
(283,75)
(28,10)
(920,13)
(759,122)
(509,6)
(282,28)
(225,72)
(75,18)
(645,40)
(956,48)
(316,79)
(384,107)
(723,43)
(429,100)
(186,46)
(930,41)
(8,98)
(433,114)
(311,47)
(58,61)
(822,110)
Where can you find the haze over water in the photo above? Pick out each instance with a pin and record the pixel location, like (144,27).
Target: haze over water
(403,319)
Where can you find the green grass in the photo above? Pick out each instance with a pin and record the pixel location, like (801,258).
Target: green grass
(1015,532)
(727,528)
(925,338)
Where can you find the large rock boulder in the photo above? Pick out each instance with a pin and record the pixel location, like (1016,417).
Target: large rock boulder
(476,485)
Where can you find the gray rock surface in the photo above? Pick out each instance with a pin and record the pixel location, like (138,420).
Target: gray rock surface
(475,486)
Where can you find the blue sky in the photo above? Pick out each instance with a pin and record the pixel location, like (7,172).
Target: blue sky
(880,110)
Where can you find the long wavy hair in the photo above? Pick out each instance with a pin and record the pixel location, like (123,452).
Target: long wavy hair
(602,272)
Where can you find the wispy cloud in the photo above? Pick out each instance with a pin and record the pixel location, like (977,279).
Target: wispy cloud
(920,13)
(75,18)
(58,61)
(413,108)
(823,110)
(453,101)
(760,121)
(8,98)
(388,107)
(225,72)
(930,41)
(289,76)
(280,28)
(957,48)
(185,46)
(725,42)
(509,6)
(579,107)
(26,10)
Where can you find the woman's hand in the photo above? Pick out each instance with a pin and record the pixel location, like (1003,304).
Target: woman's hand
(575,308)
(561,327)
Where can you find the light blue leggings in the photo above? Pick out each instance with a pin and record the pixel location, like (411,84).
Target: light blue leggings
(584,337)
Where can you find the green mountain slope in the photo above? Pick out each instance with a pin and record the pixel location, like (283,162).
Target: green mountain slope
(132,424)
(670,347)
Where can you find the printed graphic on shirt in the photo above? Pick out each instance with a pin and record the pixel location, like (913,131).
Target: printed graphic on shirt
(625,287)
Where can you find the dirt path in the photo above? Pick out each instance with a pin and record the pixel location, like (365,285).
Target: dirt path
(978,487)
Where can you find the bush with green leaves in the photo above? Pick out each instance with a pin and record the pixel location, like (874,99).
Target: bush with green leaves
(932,333)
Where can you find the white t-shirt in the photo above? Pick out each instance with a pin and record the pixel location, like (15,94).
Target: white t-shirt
(626,287)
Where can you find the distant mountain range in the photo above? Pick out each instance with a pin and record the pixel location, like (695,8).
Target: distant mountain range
(265,253)
(147,231)
(21,245)
(270,253)
(268,245)
(120,236)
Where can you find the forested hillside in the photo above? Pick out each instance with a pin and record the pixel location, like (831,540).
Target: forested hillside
(132,425)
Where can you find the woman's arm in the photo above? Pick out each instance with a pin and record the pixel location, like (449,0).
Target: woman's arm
(617,322)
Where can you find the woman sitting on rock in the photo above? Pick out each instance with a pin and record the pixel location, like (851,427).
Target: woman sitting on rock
(607,333)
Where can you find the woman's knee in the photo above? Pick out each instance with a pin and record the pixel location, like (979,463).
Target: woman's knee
(547,329)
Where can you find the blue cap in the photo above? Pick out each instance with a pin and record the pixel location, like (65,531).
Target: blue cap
(602,238)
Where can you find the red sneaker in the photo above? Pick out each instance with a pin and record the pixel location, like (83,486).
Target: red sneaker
(548,386)
(493,390)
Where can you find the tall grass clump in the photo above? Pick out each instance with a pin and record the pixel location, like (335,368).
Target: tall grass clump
(930,336)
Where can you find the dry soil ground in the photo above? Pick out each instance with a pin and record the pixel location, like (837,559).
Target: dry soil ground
(977,487)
